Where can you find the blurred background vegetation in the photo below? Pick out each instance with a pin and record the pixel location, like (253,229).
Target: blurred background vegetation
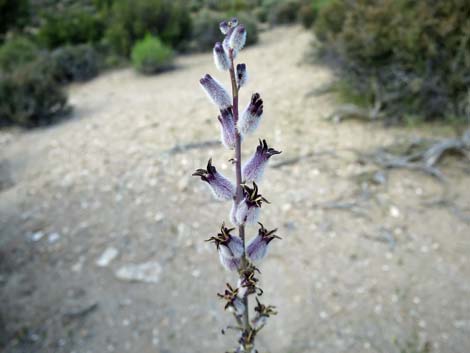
(408,59)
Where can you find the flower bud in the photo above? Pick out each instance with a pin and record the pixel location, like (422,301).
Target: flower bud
(247,283)
(258,246)
(221,187)
(228,133)
(254,168)
(251,116)
(229,247)
(221,59)
(237,38)
(233,302)
(224,27)
(216,92)
(249,208)
(242,75)
(233,22)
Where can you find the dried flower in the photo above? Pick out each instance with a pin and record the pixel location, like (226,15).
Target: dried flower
(251,116)
(242,75)
(221,59)
(249,208)
(253,169)
(228,131)
(233,302)
(247,283)
(263,312)
(221,187)
(216,92)
(258,246)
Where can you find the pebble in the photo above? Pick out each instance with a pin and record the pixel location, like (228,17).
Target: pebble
(147,272)
(107,256)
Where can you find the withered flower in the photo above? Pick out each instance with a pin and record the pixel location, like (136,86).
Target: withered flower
(263,312)
(232,302)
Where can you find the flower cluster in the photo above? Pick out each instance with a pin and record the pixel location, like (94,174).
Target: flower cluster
(236,254)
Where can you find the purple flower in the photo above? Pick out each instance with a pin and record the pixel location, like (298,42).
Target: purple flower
(254,168)
(224,27)
(233,302)
(242,75)
(249,208)
(228,131)
(251,116)
(216,92)
(221,187)
(221,59)
(237,38)
(258,246)
(229,247)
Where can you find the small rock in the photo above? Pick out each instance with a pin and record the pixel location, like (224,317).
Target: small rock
(37,236)
(148,272)
(107,256)
(394,212)
(53,237)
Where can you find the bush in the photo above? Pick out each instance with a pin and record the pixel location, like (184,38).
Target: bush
(206,29)
(412,56)
(13,13)
(131,20)
(150,55)
(30,96)
(17,51)
(70,26)
(75,63)
(284,12)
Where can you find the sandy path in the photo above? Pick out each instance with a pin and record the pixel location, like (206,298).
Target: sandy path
(394,271)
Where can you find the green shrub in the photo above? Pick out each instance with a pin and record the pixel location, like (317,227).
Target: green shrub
(30,96)
(284,12)
(13,13)
(410,55)
(75,63)
(150,55)
(17,51)
(69,27)
(131,20)
(206,28)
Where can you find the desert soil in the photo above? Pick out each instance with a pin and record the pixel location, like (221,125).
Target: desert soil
(102,227)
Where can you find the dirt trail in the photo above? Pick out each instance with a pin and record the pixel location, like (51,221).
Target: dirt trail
(372,271)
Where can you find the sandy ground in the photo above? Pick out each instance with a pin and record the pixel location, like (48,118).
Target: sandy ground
(391,274)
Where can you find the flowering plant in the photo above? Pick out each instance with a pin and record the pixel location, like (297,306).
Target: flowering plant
(235,252)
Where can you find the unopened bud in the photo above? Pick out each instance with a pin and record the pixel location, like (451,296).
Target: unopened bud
(221,59)
(230,248)
(242,75)
(251,116)
(216,92)
(224,27)
(237,38)
(221,187)
(228,131)
(254,168)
